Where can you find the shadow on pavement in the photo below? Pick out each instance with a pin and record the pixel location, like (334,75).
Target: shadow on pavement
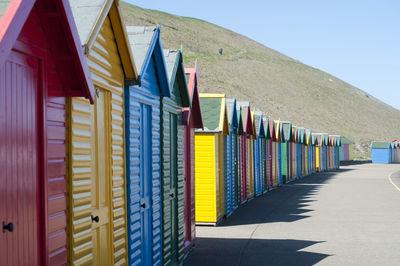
(291,200)
(226,251)
(345,163)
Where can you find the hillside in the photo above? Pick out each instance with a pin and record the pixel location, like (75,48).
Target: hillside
(278,85)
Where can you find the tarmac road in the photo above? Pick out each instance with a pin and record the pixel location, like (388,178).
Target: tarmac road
(346,217)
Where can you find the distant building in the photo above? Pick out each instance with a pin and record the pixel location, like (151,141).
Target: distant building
(346,150)
(381,152)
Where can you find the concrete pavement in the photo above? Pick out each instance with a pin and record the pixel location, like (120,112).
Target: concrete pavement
(347,217)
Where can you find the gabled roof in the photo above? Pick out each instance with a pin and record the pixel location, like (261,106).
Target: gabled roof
(146,45)
(195,110)
(286,131)
(177,76)
(278,130)
(240,121)
(232,112)
(346,140)
(335,140)
(313,140)
(215,115)
(65,45)
(266,128)
(246,116)
(258,122)
(301,135)
(380,145)
(89,17)
(308,136)
(294,134)
(272,129)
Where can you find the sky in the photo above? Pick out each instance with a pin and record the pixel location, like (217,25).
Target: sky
(357,41)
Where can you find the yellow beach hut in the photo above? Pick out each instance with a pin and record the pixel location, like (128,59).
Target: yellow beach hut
(97,194)
(210,160)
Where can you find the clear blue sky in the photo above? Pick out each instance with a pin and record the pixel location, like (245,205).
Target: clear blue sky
(357,41)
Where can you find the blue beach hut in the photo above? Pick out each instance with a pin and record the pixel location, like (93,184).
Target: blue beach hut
(143,146)
(381,152)
(232,157)
(258,161)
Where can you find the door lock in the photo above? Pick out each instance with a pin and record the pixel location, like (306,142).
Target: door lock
(95,218)
(8,227)
(143,205)
(171,195)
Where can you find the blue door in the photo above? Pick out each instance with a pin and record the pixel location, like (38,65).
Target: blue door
(145,183)
(142,123)
(279,163)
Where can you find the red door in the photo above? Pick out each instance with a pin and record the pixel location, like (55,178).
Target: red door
(19,162)
(189,185)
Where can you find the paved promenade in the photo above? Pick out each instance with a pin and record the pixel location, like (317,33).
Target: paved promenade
(347,217)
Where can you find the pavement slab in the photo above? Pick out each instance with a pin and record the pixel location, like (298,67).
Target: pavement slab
(349,216)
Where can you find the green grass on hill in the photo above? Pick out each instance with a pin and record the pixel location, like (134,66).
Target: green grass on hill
(280,86)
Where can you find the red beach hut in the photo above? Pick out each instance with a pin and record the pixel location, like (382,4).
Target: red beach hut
(41,63)
(192,119)
(244,108)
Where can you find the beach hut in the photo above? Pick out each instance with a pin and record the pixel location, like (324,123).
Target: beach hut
(395,151)
(338,145)
(309,151)
(172,159)
(296,139)
(267,156)
(274,154)
(278,132)
(42,64)
(302,155)
(346,149)
(245,141)
(241,194)
(318,152)
(293,165)
(232,175)
(143,146)
(314,143)
(286,133)
(97,207)
(192,119)
(294,153)
(381,152)
(209,149)
(258,151)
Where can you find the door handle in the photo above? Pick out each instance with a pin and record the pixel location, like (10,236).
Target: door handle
(171,195)
(8,227)
(143,205)
(95,218)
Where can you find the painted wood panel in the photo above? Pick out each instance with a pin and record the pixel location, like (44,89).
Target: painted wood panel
(172,186)
(97,164)
(207,181)
(20,161)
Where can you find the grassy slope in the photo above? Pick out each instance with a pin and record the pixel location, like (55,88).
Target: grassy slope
(278,85)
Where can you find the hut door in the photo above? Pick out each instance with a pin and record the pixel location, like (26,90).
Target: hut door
(101,180)
(19,162)
(173,194)
(146,183)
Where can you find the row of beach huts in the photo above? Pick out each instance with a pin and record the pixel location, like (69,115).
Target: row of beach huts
(109,155)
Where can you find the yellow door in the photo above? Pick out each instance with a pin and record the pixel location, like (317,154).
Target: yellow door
(101,225)
(317,157)
(220,174)
(96,187)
